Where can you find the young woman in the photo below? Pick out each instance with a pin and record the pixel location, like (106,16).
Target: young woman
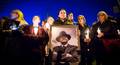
(87,48)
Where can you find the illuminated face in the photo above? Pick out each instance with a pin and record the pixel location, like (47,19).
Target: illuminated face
(101,18)
(70,16)
(81,20)
(36,20)
(50,20)
(64,40)
(14,15)
(62,14)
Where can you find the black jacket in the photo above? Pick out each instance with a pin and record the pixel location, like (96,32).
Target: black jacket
(62,51)
(107,27)
(60,22)
(87,50)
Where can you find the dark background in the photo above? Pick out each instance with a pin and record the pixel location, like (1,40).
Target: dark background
(45,8)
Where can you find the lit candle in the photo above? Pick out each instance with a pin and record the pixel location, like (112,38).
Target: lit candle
(87,34)
(98,31)
(35,30)
(118,32)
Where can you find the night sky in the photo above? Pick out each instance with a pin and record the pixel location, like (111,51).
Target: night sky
(45,8)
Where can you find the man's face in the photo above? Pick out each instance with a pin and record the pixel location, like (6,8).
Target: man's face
(62,14)
(64,40)
(101,18)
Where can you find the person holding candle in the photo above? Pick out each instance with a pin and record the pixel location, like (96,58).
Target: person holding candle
(33,30)
(36,39)
(87,48)
(103,29)
(50,21)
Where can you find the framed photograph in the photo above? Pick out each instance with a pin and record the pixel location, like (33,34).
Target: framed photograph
(64,40)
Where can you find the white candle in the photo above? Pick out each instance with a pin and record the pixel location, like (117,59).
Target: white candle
(118,32)
(98,31)
(35,30)
(87,34)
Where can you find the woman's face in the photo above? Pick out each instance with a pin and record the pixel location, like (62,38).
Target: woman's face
(50,20)
(81,20)
(101,18)
(62,14)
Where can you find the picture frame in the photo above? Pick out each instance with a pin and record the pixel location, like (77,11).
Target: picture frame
(56,32)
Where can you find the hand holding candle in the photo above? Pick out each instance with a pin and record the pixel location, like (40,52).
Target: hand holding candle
(87,34)
(36,21)
(100,34)
(98,31)
(118,32)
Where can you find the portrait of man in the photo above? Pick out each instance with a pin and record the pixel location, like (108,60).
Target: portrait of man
(63,44)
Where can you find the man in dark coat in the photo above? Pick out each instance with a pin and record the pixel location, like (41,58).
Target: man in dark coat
(65,52)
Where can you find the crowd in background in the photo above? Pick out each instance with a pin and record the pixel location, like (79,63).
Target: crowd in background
(93,40)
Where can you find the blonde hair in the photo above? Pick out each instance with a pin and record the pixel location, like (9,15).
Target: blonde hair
(51,18)
(103,13)
(81,16)
(36,17)
(20,16)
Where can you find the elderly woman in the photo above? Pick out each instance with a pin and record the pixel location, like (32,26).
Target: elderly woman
(87,48)
(102,29)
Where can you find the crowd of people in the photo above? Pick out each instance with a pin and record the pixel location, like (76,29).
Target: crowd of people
(24,44)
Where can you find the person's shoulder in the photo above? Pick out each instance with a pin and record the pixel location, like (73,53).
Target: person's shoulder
(24,26)
(86,26)
(96,23)
(40,28)
(57,20)
(112,21)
